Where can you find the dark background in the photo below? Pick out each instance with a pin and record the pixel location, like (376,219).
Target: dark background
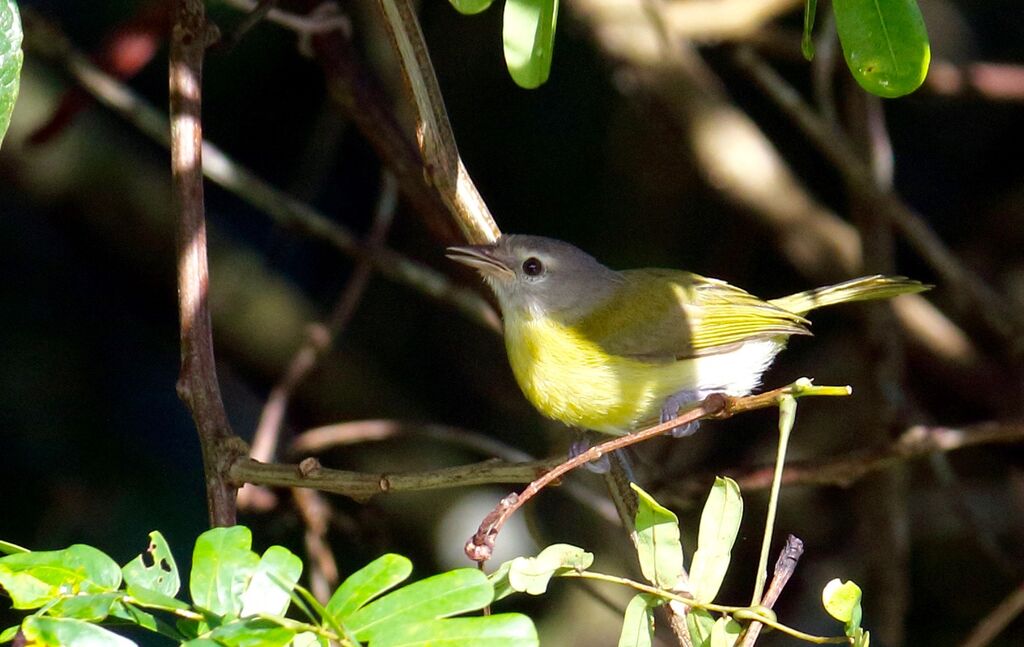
(96,448)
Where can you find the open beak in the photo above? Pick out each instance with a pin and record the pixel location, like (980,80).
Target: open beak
(483,258)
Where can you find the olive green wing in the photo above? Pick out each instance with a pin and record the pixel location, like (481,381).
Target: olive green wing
(665,315)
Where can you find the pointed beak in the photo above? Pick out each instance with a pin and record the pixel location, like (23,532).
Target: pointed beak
(483,258)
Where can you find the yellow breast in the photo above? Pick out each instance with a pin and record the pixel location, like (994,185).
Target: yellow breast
(571,379)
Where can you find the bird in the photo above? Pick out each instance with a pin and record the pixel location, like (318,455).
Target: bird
(615,351)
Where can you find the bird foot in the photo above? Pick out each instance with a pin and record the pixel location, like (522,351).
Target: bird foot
(598,465)
(675,403)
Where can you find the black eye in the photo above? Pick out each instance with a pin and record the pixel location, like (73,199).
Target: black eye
(532,266)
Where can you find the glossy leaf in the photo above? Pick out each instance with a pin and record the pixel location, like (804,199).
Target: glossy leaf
(35,578)
(658,546)
(252,632)
(470,7)
(161,575)
(532,574)
(41,631)
(91,607)
(637,623)
(724,632)
(885,44)
(719,525)
(11,57)
(842,601)
(502,630)
(447,594)
(528,32)
(377,577)
(700,623)
(7,548)
(222,564)
(269,590)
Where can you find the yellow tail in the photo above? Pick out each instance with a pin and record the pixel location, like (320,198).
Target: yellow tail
(862,289)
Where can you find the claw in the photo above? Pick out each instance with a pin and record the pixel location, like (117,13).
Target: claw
(598,465)
(678,401)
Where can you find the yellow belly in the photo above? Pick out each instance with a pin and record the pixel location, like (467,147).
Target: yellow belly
(571,379)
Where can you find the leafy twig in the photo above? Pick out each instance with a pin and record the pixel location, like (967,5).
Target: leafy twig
(717,406)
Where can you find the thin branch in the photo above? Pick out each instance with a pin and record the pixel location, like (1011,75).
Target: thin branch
(844,471)
(197,383)
(433,131)
(990,81)
(717,405)
(974,292)
(785,565)
(315,511)
(363,486)
(283,209)
(320,339)
(997,620)
(316,23)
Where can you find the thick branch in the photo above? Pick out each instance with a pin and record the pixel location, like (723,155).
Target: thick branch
(197,383)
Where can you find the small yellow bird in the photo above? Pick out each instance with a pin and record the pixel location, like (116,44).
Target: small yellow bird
(616,351)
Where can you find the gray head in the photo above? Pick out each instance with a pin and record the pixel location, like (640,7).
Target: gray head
(533,275)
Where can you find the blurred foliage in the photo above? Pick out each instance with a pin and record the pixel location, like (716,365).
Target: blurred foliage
(97,449)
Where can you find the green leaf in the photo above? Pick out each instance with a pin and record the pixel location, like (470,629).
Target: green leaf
(700,623)
(160,576)
(252,632)
(719,525)
(377,577)
(35,578)
(885,44)
(8,634)
(499,580)
(91,607)
(638,623)
(270,588)
(155,600)
(41,631)
(447,594)
(11,58)
(308,639)
(470,7)
(724,632)
(528,32)
(658,547)
(842,601)
(222,564)
(7,548)
(861,638)
(132,614)
(532,574)
(807,41)
(502,630)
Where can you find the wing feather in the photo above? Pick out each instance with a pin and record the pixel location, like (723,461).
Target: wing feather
(682,315)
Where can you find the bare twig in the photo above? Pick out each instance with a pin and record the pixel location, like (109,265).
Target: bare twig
(990,81)
(283,209)
(916,442)
(315,511)
(717,405)
(363,486)
(974,293)
(433,131)
(997,620)
(197,384)
(784,568)
(316,23)
(320,339)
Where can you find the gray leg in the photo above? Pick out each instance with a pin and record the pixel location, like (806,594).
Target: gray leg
(582,444)
(678,402)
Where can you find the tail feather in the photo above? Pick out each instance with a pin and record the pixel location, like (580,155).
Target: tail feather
(862,289)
